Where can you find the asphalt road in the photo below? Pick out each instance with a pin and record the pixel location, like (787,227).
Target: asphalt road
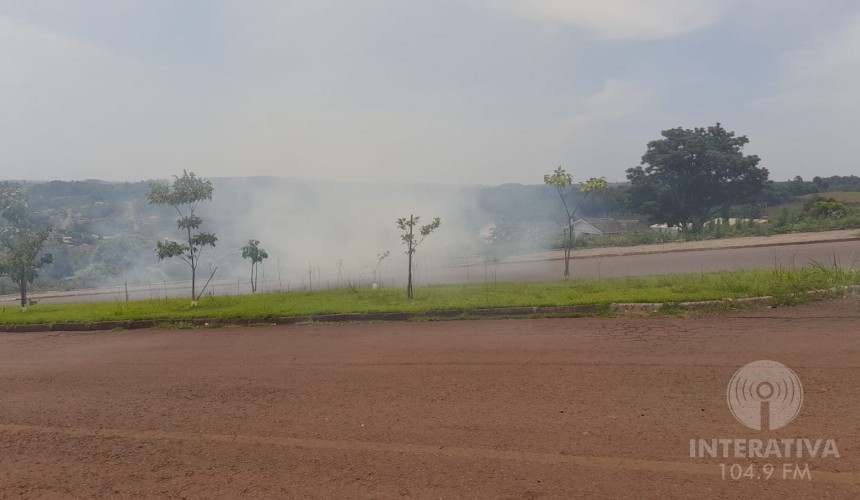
(847,253)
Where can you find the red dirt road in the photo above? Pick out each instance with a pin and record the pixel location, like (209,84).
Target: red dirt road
(571,408)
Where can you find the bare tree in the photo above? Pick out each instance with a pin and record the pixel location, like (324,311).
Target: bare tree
(375,268)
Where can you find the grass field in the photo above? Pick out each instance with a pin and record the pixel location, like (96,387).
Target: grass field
(664,288)
(850,198)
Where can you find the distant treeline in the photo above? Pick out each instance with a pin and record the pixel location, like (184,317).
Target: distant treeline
(516,203)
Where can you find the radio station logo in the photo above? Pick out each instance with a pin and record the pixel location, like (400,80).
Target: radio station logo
(765,395)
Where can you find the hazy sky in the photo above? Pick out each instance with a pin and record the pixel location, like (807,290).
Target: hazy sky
(452,91)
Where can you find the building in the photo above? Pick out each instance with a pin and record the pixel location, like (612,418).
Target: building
(597,227)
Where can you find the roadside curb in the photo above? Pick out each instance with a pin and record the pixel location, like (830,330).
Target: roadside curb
(437,314)
(618,308)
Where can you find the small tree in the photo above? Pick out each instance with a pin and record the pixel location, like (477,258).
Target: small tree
(253,251)
(375,268)
(20,258)
(184,194)
(560,180)
(20,244)
(411,241)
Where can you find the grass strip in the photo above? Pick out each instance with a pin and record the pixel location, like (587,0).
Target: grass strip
(662,288)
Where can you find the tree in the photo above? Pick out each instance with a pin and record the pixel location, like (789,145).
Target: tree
(689,176)
(14,205)
(20,243)
(253,251)
(184,194)
(20,257)
(820,184)
(412,241)
(820,207)
(561,180)
(375,268)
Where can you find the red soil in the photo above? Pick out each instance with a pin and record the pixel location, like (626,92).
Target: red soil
(555,408)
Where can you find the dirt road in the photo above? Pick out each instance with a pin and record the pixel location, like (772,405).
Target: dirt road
(573,408)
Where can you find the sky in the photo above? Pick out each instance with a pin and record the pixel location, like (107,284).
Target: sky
(478,92)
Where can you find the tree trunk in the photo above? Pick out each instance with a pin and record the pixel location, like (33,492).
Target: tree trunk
(253,279)
(193,287)
(568,245)
(23,286)
(409,281)
(193,271)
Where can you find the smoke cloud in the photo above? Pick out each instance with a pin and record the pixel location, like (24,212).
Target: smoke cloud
(327,234)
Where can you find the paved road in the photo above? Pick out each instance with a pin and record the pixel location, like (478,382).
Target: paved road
(784,256)
(572,408)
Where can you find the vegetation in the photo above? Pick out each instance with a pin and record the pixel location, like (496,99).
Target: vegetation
(184,194)
(561,180)
(780,283)
(253,251)
(21,243)
(375,267)
(102,232)
(787,222)
(411,240)
(833,211)
(692,175)
(512,239)
(21,257)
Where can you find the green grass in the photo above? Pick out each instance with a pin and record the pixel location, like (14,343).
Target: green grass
(663,288)
(848,197)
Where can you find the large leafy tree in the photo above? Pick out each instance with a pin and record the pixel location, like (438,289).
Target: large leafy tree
(412,240)
(561,180)
(184,194)
(21,255)
(691,175)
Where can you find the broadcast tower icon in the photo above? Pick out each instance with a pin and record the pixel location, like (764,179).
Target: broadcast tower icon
(765,395)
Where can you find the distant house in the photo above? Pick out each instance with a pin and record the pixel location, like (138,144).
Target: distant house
(597,227)
(593,226)
(665,228)
(673,230)
(634,225)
